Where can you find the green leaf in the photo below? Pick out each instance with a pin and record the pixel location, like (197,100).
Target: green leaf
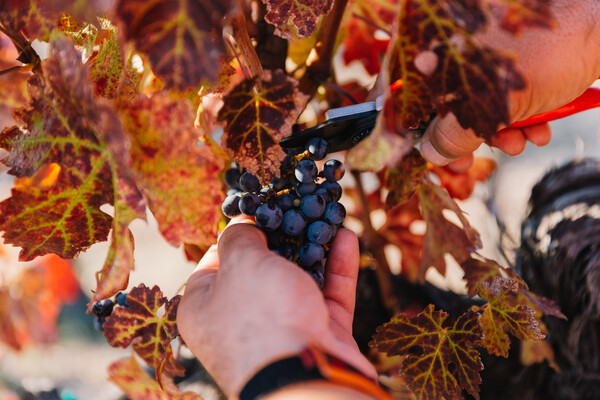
(440,356)
(259,113)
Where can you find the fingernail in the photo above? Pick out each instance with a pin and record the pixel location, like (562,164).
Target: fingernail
(431,155)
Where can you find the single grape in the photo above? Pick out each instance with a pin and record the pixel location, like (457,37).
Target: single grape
(285,201)
(333,170)
(303,189)
(294,222)
(249,203)
(317,147)
(313,206)
(268,216)
(121,299)
(334,213)
(318,277)
(232,178)
(333,188)
(278,184)
(323,193)
(249,183)
(306,171)
(319,232)
(98,322)
(103,308)
(311,253)
(230,206)
(319,267)
(334,229)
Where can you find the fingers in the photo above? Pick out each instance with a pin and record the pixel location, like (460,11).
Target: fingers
(539,134)
(462,164)
(242,243)
(445,140)
(341,274)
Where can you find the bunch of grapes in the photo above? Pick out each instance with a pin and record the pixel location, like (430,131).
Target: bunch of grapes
(299,212)
(103,308)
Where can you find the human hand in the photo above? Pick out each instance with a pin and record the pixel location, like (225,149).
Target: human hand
(557,65)
(244,306)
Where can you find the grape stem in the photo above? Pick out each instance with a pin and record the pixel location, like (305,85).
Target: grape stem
(376,245)
(240,34)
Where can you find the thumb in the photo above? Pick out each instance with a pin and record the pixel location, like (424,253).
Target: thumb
(241,242)
(445,140)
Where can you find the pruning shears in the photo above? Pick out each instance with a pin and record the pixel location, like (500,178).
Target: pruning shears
(344,127)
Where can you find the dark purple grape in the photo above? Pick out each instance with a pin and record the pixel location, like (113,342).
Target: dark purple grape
(249,203)
(103,308)
(319,232)
(318,277)
(323,193)
(303,189)
(249,183)
(121,299)
(317,147)
(98,322)
(278,184)
(268,216)
(319,267)
(313,206)
(333,188)
(334,230)
(285,201)
(334,213)
(310,253)
(232,178)
(294,222)
(230,206)
(333,170)
(306,171)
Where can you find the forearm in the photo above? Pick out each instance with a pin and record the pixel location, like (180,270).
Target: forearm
(317,390)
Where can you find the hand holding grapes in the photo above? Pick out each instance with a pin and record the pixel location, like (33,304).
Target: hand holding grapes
(557,64)
(245,306)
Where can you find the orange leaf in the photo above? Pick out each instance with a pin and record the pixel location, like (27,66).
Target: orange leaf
(460,185)
(138,324)
(440,355)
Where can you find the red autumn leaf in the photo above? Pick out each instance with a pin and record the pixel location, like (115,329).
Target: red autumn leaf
(36,18)
(438,58)
(140,325)
(515,15)
(168,160)
(441,359)
(404,180)
(500,315)
(182,38)
(258,114)
(460,185)
(129,376)
(31,301)
(442,236)
(486,270)
(300,16)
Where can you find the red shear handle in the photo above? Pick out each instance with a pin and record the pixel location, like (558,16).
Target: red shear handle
(589,99)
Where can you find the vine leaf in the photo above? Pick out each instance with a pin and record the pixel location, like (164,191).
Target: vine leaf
(31,301)
(442,236)
(35,18)
(296,15)
(14,84)
(128,375)
(439,60)
(404,180)
(258,114)
(149,334)
(486,270)
(181,38)
(440,356)
(173,170)
(460,185)
(501,315)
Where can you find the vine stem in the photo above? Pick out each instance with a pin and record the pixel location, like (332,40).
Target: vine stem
(240,34)
(318,63)
(376,245)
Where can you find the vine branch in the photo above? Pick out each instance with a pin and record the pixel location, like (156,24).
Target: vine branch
(242,39)
(376,246)
(318,63)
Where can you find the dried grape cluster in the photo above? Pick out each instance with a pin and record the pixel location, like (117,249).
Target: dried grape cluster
(299,212)
(103,308)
